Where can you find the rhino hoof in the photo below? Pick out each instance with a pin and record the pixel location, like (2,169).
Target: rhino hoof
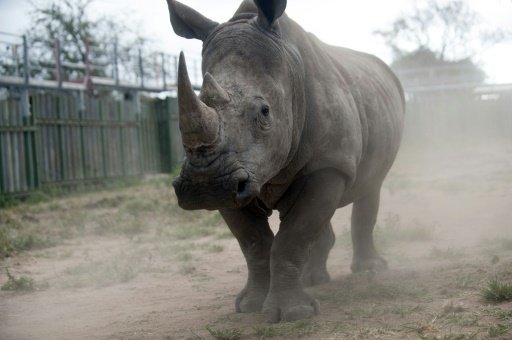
(249,302)
(290,310)
(300,312)
(373,264)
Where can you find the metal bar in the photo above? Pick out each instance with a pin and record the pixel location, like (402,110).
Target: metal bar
(60,139)
(103,143)
(89,123)
(26,66)
(37,143)
(121,139)
(11,34)
(176,70)
(141,69)
(140,132)
(81,113)
(163,71)
(116,65)
(17,128)
(58,62)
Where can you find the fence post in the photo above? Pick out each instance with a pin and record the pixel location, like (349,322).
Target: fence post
(58,64)
(26,68)
(163,70)
(140,132)
(88,72)
(116,66)
(25,105)
(141,69)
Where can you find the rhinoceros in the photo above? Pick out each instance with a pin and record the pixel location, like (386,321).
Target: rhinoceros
(284,122)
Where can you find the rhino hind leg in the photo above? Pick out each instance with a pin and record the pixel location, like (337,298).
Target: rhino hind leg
(315,269)
(364,217)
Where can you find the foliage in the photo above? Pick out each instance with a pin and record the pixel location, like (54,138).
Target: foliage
(436,43)
(497,291)
(225,334)
(84,40)
(451,30)
(22,283)
(14,237)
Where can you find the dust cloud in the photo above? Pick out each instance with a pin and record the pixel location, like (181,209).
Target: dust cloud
(130,264)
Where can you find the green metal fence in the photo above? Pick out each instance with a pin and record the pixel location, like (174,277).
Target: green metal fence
(68,137)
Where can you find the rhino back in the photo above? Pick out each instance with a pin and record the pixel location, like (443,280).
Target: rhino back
(354,112)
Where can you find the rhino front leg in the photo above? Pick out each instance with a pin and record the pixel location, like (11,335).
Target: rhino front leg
(315,269)
(364,217)
(308,207)
(255,238)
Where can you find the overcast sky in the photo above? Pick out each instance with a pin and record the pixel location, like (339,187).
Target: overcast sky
(338,22)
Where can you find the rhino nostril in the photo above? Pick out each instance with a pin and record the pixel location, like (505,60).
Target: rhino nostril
(242,185)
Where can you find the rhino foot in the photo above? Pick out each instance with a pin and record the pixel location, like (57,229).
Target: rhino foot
(373,264)
(315,277)
(250,301)
(291,306)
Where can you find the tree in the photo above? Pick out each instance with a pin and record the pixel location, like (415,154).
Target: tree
(452,31)
(436,44)
(83,40)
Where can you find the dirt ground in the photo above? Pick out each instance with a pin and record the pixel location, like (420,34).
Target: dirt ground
(128,264)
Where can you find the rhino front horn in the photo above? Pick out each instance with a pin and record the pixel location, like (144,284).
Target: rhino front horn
(199,124)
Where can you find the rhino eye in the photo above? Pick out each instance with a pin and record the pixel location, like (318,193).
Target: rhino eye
(265,110)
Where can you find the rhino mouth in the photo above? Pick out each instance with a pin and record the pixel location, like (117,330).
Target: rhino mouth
(234,190)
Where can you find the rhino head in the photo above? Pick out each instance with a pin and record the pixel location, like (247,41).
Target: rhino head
(243,128)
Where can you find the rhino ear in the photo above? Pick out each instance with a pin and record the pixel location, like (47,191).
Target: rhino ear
(189,23)
(269,11)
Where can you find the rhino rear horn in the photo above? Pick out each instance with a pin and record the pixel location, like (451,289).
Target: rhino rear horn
(199,124)
(212,92)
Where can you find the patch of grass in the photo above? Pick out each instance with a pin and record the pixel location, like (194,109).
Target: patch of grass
(497,330)
(105,203)
(225,235)
(225,334)
(15,238)
(214,219)
(117,269)
(215,248)
(304,328)
(184,257)
(137,207)
(497,291)
(504,315)
(7,202)
(445,253)
(119,224)
(468,336)
(404,311)
(266,332)
(38,197)
(186,232)
(187,269)
(20,284)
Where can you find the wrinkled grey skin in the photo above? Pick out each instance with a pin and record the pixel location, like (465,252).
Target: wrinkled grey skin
(285,122)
